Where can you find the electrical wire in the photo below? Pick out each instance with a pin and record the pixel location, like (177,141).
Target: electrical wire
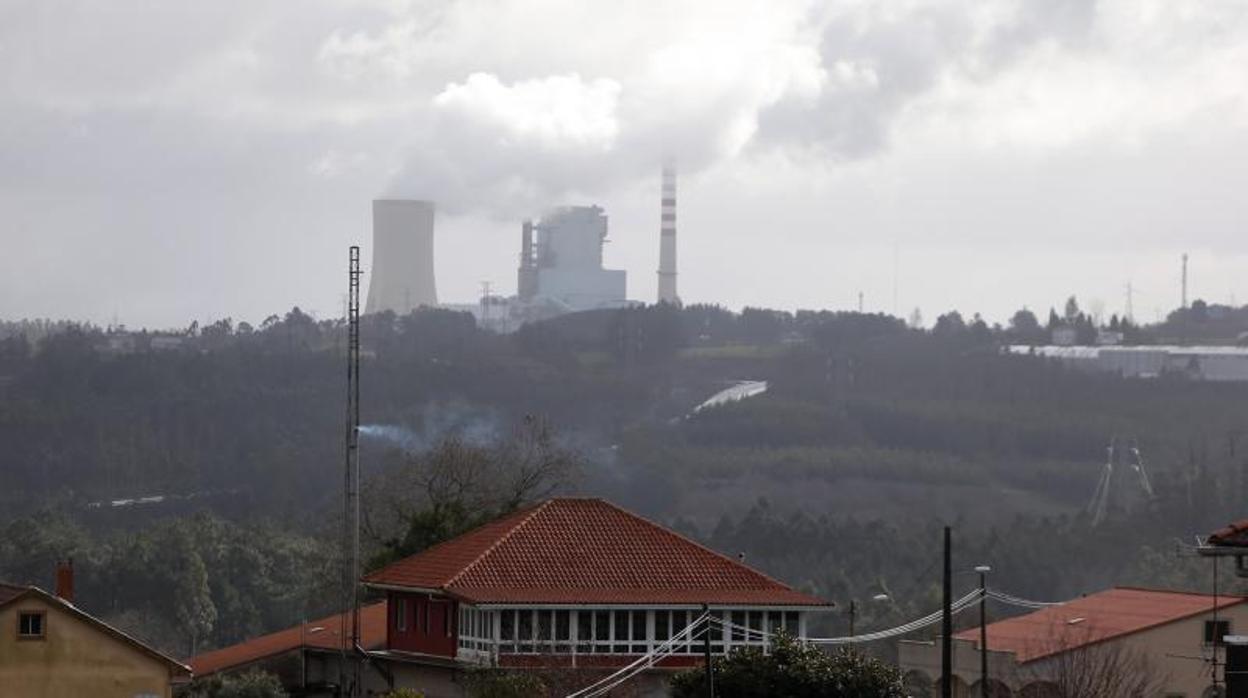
(686,636)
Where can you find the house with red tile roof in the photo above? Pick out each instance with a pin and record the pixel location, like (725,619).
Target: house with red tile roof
(1173,633)
(305,656)
(565,584)
(575,582)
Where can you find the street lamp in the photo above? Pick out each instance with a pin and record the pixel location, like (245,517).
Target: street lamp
(853,609)
(983,571)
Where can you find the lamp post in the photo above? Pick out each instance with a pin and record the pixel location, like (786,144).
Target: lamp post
(853,610)
(983,571)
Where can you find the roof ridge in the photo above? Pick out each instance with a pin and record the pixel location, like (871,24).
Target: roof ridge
(715,553)
(541,506)
(1181,592)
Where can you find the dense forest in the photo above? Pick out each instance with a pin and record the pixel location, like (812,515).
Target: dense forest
(195,476)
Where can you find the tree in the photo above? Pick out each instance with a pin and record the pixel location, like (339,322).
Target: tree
(457,485)
(253,684)
(1072,309)
(499,684)
(1025,326)
(795,670)
(1090,669)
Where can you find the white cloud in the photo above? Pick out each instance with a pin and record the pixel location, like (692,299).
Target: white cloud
(1106,127)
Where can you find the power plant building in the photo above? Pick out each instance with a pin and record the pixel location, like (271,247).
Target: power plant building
(561,263)
(402,272)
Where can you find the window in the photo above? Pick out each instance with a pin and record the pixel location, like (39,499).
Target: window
(400,616)
(661,632)
(30,625)
(639,633)
(620,632)
(1215,631)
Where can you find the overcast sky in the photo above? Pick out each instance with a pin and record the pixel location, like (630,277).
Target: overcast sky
(166,161)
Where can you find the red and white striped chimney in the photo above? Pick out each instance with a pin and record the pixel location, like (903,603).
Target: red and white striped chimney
(667,237)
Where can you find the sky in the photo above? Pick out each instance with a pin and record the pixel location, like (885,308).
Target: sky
(166,161)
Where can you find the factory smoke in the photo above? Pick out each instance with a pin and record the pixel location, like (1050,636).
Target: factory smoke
(439,421)
(803,82)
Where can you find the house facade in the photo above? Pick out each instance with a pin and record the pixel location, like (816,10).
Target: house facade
(577,582)
(577,587)
(1173,637)
(49,648)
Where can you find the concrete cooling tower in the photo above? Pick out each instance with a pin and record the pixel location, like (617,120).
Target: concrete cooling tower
(402,273)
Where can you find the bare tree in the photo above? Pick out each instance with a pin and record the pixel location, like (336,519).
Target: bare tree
(1081,666)
(456,485)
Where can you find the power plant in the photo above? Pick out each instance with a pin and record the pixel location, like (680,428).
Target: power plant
(561,263)
(667,237)
(402,272)
(560,267)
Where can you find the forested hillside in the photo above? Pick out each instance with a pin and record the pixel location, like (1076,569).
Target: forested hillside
(197,481)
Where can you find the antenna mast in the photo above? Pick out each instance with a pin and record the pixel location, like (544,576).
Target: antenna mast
(351,482)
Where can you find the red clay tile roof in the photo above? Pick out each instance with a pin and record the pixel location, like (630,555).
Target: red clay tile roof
(1094,618)
(576,551)
(321,634)
(1235,535)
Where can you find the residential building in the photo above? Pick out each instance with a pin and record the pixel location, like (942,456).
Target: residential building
(50,648)
(567,585)
(1169,634)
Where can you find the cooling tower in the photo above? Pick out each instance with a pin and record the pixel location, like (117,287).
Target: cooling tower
(402,273)
(667,237)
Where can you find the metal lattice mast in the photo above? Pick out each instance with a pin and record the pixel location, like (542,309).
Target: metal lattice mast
(351,482)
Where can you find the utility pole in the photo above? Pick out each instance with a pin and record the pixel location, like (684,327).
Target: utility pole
(706,651)
(860,301)
(946,624)
(853,610)
(983,571)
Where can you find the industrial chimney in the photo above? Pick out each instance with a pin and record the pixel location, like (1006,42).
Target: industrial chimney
(526,281)
(667,237)
(402,274)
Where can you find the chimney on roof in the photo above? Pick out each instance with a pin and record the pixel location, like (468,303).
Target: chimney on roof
(65,580)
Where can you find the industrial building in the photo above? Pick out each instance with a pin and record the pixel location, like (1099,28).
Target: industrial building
(402,277)
(1211,363)
(561,262)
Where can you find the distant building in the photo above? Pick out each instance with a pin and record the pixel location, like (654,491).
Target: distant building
(1211,363)
(1065,336)
(561,263)
(401,279)
(1172,634)
(567,584)
(50,647)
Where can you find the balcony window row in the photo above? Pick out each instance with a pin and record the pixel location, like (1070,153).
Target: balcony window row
(613,631)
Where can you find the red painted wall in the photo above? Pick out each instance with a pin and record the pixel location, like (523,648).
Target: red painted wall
(430,624)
